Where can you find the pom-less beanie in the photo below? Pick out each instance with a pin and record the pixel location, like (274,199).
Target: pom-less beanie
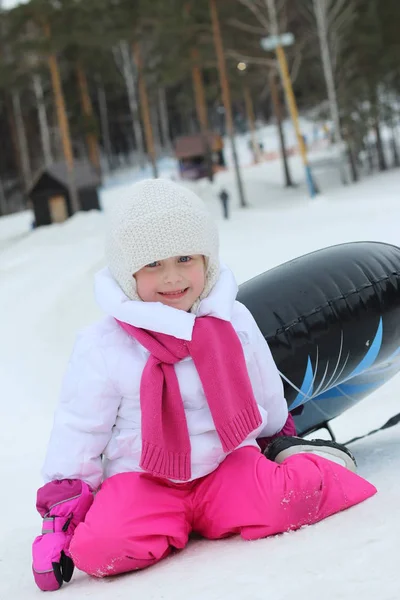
(158,220)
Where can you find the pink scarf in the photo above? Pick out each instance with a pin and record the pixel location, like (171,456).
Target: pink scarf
(219,359)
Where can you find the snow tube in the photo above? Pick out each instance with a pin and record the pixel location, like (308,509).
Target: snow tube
(332,321)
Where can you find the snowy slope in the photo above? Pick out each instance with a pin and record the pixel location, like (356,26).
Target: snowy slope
(46,296)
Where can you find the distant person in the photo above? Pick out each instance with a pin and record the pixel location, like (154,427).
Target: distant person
(167,406)
(224,197)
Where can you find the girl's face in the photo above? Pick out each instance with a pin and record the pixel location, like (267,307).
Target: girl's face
(176,281)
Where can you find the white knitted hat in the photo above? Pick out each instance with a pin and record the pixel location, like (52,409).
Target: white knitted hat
(160,219)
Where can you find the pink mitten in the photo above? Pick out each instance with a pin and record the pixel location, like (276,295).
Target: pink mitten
(62,504)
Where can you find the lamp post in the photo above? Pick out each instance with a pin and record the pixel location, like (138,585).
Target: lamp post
(276,42)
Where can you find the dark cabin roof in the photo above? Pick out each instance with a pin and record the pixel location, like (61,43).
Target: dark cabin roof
(86,175)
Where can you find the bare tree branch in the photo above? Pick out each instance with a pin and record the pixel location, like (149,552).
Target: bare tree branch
(257,12)
(116,52)
(281,4)
(336,8)
(246,27)
(282,15)
(265,92)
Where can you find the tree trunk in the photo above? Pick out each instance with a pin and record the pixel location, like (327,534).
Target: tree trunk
(375,115)
(163,112)
(226,96)
(87,109)
(395,150)
(21,137)
(321,13)
(145,109)
(251,122)
(198,88)
(379,146)
(155,124)
(278,115)
(42,117)
(64,130)
(3,201)
(370,157)
(352,162)
(201,109)
(132,99)
(14,139)
(63,124)
(290,97)
(104,124)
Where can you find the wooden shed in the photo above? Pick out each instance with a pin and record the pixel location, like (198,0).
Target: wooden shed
(49,193)
(199,155)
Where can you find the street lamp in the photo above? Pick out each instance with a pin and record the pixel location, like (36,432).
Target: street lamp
(277,42)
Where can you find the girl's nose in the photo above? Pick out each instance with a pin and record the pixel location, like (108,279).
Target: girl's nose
(172,275)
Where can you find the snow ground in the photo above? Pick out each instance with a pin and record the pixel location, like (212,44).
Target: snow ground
(46,296)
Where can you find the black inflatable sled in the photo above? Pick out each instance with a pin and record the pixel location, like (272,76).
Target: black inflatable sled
(332,321)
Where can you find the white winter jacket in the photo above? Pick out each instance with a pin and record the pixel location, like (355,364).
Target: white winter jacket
(97,431)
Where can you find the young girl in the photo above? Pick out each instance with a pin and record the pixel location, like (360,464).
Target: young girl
(165,405)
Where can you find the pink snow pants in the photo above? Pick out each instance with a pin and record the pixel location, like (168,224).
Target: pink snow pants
(136,519)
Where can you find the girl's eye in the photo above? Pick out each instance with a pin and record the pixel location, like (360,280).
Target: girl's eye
(185,259)
(153,264)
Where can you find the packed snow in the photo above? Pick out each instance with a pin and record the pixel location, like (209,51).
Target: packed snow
(46,296)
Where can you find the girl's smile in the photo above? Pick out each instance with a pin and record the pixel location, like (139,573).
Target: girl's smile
(177,281)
